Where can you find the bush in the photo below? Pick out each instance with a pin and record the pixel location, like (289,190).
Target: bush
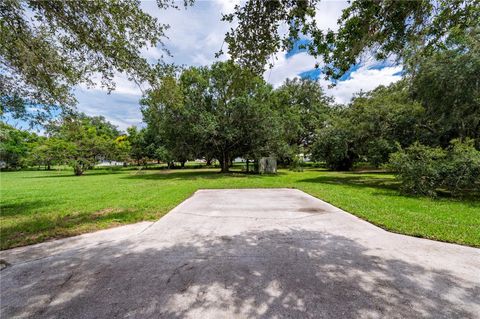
(418,168)
(462,168)
(423,170)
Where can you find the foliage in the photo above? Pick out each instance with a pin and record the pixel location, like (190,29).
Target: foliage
(423,170)
(462,167)
(297,164)
(256,35)
(222,112)
(418,168)
(369,128)
(162,154)
(335,145)
(50,151)
(122,148)
(383,118)
(400,29)
(303,109)
(15,146)
(90,139)
(138,144)
(447,85)
(384,28)
(50,46)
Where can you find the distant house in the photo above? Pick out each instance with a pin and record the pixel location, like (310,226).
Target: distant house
(109,163)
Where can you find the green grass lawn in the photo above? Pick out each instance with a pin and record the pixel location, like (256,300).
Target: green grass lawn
(39,205)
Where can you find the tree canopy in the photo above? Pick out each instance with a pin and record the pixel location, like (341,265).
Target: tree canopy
(222,111)
(382,28)
(47,47)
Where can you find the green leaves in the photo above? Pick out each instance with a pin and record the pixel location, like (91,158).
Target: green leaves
(448,87)
(424,170)
(391,28)
(86,141)
(223,111)
(50,46)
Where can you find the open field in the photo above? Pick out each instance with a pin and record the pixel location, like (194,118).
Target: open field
(40,205)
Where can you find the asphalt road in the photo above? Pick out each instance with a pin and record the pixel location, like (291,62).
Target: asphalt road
(259,253)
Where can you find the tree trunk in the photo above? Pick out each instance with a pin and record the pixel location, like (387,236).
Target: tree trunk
(182,164)
(225,163)
(209,162)
(247,165)
(48,167)
(78,170)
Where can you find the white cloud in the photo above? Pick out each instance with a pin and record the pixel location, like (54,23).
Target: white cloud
(288,68)
(363,79)
(122,110)
(196,33)
(122,85)
(328,12)
(227,6)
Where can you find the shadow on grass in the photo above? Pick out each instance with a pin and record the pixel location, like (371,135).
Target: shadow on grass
(46,227)
(194,174)
(355,181)
(252,274)
(385,186)
(86,174)
(21,208)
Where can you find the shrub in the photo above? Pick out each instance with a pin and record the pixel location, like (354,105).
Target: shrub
(418,168)
(423,170)
(462,168)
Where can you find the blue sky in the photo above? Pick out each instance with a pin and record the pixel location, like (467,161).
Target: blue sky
(197,33)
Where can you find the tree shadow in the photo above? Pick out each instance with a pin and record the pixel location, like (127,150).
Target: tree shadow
(194,174)
(21,208)
(71,174)
(175,175)
(256,274)
(59,226)
(386,186)
(357,181)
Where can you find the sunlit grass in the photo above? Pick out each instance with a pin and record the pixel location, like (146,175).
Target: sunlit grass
(40,205)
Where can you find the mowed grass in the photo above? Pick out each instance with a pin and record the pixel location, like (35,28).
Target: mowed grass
(41,205)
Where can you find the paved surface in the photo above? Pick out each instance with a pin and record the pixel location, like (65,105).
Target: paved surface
(276,253)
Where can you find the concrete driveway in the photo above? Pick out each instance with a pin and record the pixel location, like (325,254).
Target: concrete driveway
(258,253)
